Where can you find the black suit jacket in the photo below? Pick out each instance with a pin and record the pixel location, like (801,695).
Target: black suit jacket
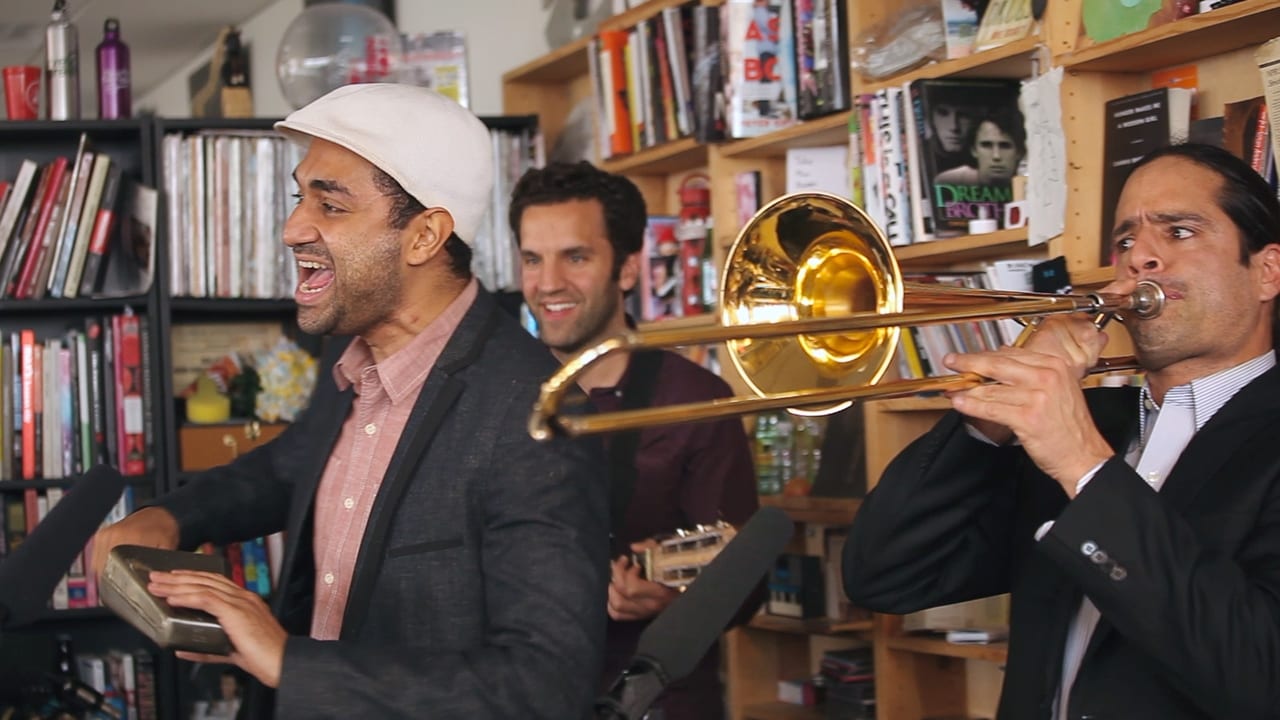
(479,587)
(1187,580)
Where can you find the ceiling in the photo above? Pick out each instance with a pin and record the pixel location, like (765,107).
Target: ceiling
(162,36)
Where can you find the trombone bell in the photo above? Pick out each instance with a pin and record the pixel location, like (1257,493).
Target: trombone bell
(807,256)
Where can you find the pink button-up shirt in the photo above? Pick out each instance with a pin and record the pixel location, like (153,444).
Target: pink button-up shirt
(384,396)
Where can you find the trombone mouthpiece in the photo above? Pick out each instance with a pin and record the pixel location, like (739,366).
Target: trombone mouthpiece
(1147,300)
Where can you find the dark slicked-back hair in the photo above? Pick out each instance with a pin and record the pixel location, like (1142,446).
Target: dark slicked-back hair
(625,214)
(405,207)
(1244,197)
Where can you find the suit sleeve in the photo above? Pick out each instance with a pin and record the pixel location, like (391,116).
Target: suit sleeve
(544,555)
(936,528)
(1207,611)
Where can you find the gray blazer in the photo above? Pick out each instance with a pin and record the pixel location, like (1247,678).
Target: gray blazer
(479,590)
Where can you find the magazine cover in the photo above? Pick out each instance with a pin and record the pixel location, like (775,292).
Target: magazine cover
(974,141)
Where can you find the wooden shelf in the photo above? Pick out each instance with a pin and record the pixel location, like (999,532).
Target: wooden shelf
(1093,277)
(813,626)
(817,510)
(560,65)
(828,130)
(1011,60)
(783,711)
(963,248)
(671,157)
(1181,41)
(926,645)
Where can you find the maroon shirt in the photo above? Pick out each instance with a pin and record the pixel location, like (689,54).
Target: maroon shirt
(688,474)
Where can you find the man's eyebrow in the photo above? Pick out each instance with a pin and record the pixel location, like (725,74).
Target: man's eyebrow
(329,186)
(1162,218)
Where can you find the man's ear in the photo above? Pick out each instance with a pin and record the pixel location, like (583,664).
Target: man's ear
(1267,261)
(426,234)
(629,273)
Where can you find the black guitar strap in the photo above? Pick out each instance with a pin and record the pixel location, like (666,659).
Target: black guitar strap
(637,392)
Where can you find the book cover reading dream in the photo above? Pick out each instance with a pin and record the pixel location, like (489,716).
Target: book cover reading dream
(972,143)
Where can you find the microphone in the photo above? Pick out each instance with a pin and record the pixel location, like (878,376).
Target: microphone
(671,646)
(31,572)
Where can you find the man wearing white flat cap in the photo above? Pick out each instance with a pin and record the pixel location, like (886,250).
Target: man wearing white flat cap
(439,563)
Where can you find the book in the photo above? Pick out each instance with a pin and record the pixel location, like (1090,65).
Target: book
(706,75)
(760,77)
(100,235)
(1268,57)
(1135,125)
(960,23)
(1004,21)
(822,57)
(660,278)
(613,74)
(974,143)
(20,285)
(747,192)
(1246,131)
(131,260)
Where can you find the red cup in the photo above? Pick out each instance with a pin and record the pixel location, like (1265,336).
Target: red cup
(22,91)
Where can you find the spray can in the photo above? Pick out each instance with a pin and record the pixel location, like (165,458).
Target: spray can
(62,65)
(115,95)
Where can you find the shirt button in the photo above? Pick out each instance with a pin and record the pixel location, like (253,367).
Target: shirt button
(1089,547)
(348,503)
(1118,573)
(1099,557)
(370,429)
(328,578)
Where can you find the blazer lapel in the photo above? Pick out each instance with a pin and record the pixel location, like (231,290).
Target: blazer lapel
(438,395)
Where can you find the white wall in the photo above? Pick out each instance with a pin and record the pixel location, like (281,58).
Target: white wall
(501,34)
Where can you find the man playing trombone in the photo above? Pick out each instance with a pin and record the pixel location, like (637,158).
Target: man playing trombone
(1137,530)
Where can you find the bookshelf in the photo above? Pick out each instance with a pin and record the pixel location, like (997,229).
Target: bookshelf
(27,652)
(917,676)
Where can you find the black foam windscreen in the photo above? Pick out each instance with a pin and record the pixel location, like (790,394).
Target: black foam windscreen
(29,574)
(678,638)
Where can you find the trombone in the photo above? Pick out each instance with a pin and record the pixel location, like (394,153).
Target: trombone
(812,302)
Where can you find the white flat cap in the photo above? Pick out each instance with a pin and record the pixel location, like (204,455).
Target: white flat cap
(436,149)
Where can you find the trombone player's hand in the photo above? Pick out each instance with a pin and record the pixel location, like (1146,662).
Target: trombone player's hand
(1036,395)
